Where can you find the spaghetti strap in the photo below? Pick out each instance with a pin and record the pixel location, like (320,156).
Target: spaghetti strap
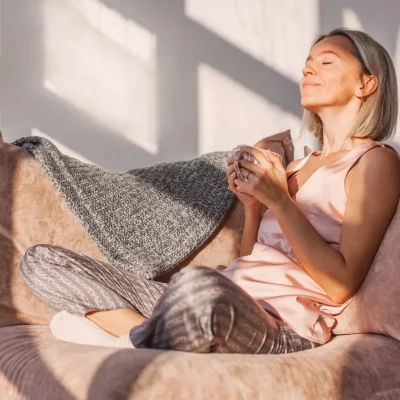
(300,165)
(357,159)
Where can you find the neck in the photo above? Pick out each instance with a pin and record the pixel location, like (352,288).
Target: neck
(337,128)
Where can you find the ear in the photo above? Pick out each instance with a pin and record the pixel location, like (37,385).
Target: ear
(369,83)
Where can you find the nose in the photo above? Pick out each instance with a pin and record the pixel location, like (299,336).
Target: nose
(308,70)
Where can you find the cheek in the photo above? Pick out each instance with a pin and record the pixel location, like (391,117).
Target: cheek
(342,84)
(334,85)
(343,90)
(337,89)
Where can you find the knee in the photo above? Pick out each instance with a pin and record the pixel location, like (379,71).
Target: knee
(198,287)
(35,260)
(194,313)
(207,306)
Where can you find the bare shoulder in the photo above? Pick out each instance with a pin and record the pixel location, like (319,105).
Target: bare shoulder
(381,153)
(378,161)
(378,168)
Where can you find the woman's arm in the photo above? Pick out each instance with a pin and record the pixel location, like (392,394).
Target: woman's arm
(253,209)
(372,201)
(252,218)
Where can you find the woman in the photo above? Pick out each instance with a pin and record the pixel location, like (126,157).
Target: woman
(300,263)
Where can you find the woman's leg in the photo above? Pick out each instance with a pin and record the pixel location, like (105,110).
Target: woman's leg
(203,311)
(117,322)
(67,281)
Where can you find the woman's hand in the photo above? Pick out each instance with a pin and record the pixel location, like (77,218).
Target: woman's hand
(267,179)
(249,201)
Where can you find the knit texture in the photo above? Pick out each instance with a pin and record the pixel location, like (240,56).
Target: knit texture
(146,220)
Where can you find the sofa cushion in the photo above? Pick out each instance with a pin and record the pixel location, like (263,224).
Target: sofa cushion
(35,365)
(375,307)
(32,211)
(280,143)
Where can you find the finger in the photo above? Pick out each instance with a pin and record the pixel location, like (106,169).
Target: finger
(257,154)
(256,169)
(229,170)
(231,183)
(246,173)
(276,160)
(232,176)
(230,160)
(274,155)
(242,186)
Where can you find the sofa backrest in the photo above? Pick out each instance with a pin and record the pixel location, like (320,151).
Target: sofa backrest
(31,212)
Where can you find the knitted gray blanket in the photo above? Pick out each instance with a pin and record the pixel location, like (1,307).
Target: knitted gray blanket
(145,220)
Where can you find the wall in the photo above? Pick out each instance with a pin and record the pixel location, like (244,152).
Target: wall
(127,83)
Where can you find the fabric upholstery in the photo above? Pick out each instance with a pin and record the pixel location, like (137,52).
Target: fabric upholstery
(31,212)
(374,308)
(35,365)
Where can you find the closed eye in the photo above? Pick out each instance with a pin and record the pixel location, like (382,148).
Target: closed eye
(327,62)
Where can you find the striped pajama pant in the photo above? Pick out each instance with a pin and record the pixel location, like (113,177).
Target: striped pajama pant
(200,310)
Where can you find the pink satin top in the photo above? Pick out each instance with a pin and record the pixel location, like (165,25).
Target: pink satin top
(272,275)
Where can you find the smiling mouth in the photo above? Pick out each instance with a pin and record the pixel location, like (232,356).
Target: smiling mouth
(309,84)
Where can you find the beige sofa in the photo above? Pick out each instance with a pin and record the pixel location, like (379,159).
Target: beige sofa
(34,365)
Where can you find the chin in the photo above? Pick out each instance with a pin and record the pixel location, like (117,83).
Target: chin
(310,104)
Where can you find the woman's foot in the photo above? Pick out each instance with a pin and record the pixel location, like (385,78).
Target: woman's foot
(81,330)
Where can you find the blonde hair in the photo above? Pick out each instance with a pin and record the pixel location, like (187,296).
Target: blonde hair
(377,118)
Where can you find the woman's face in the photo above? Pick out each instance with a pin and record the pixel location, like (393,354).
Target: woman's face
(331,76)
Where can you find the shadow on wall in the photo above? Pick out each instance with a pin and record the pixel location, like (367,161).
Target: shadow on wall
(88,91)
(128,84)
